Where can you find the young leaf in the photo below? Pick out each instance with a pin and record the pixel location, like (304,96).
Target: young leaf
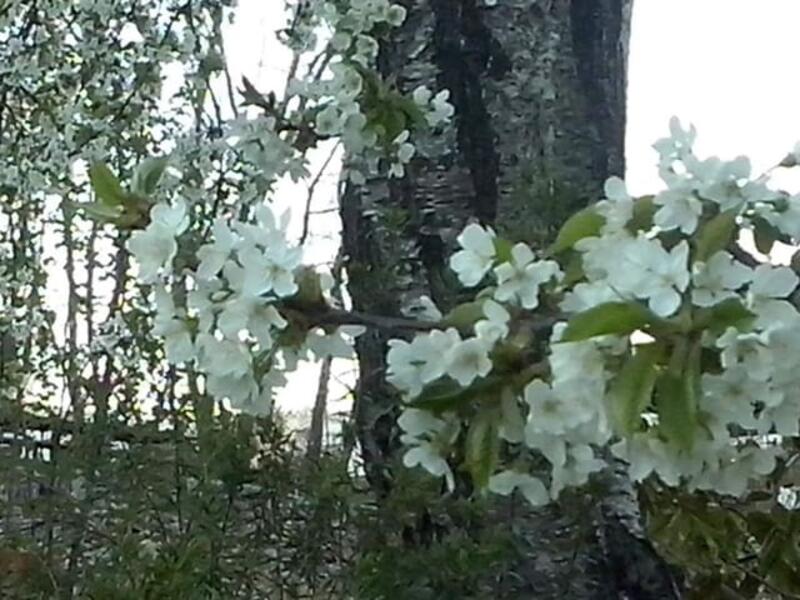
(765,234)
(585,223)
(632,389)
(728,313)
(643,211)
(573,269)
(445,394)
(439,396)
(106,185)
(502,249)
(464,316)
(97,211)
(482,447)
(148,174)
(675,417)
(610,317)
(676,399)
(715,235)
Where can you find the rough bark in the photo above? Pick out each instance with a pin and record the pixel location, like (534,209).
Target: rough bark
(539,92)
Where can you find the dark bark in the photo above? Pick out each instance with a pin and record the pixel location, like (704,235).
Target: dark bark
(539,92)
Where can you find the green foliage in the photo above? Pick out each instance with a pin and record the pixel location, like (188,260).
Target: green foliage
(419,544)
(748,549)
(106,185)
(676,396)
(448,569)
(715,235)
(631,390)
(148,174)
(644,209)
(582,224)
(172,516)
(445,394)
(464,316)
(676,409)
(388,111)
(482,447)
(123,209)
(728,313)
(610,317)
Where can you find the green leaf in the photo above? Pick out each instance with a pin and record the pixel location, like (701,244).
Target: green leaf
(148,174)
(106,185)
(439,396)
(644,210)
(675,417)
(715,235)
(610,317)
(482,447)
(412,110)
(464,316)
(765,234)
(573,269)
(445,394)
(582,224)
(502,249)
(632,389)
(97,211)
(692,374)
(728,313)
(676,398)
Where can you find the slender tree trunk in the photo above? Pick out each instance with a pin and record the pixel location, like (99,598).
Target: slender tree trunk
(539,92)
(317,428)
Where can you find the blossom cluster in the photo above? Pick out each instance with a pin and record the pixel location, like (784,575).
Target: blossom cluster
(674,348)
(645,332)
(372,121)
(231,325)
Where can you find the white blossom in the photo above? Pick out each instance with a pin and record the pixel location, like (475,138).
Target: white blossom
(155,246)
(680,209)
(520,279)
(617,209)
(495,326)
(336,344)
(718,279)
(467,360)
(664,276)
(477,255)
(413,365)
(213,256)
(422,308)
(550,411)
(678,145)
(581,462)
(426,456)
(174,329)
(505,482)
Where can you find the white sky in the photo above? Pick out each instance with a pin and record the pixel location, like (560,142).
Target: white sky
(728,66)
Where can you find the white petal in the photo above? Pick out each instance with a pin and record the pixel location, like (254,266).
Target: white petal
(479,240)
(522,254)
(773,282)
(615,189)
(664,302)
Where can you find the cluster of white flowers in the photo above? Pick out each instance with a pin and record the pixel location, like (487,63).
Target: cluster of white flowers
(703,400)
(231,321)
(340,99)
(249,268)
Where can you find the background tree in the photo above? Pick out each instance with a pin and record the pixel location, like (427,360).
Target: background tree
(539,96)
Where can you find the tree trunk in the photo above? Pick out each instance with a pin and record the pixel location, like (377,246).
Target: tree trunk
(539,92)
